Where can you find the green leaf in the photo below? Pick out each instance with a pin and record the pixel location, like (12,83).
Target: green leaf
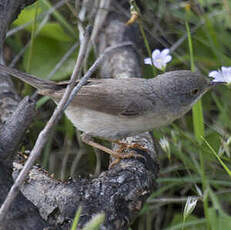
(27,15)
(47,53)
(55,31)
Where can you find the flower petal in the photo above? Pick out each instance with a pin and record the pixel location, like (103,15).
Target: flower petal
(226,72)
(224,68)
(148,61)
(217,75)
(227,78)
(155,53)
(159,64)
(168,58)
(165,52)
(213,73)
(218,80)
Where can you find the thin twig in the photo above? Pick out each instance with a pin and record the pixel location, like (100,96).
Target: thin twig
(19,55)
(103,9)
(42,138)
(101,14)
(62,60)
(81,17)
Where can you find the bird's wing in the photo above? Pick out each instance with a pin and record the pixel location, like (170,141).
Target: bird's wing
(118,97)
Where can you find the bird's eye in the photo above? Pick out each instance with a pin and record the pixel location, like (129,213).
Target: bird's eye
(194,91)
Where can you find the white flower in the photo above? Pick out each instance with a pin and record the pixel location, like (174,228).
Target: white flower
(159,58)
(223,75)
(190,206)
(165,146)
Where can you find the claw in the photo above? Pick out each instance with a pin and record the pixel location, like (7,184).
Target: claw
(131,154)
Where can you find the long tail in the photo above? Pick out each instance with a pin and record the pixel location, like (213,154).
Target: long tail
(28,78)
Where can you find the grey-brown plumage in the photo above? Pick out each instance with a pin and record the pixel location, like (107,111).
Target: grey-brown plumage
(116,108)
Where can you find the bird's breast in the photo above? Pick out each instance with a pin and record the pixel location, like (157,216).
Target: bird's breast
(113,127)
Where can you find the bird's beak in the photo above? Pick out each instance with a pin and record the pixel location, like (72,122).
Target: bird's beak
(216,83)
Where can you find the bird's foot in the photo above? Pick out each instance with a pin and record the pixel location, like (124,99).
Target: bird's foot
(130,154)
(125,146)
(118,155)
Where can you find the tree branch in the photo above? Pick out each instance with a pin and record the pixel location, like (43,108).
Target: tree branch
(12,131)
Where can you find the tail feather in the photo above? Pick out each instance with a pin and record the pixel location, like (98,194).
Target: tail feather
(30,79)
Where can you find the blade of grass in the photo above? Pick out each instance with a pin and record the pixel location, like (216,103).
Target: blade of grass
(190,180)
(218,158)
(47,150)
(198,125)
(198,120)
(27,88)
(76,219)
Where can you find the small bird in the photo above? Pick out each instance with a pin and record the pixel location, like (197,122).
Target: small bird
(112,109)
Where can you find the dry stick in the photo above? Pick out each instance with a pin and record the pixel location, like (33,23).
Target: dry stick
(45,132)
(60,108)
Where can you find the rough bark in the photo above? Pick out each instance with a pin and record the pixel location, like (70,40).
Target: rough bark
(119,192)
(13,129)
(124,63)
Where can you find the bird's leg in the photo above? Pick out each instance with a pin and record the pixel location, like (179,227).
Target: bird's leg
(122,146)
(125,146)
(88,140)
(116,154)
